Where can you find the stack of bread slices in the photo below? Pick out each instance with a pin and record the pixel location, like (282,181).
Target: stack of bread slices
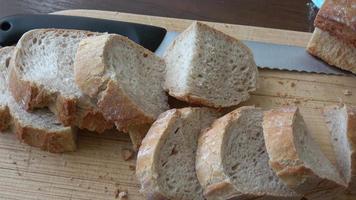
(54,82)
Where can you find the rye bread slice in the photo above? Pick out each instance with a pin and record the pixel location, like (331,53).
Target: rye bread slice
(297,158)
(208,67)
(42,75)
(39,128)
(124,80)
(232,161)
(166,159)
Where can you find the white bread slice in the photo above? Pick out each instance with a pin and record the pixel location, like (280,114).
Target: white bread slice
(42,75)
(232,161)
(40,128)
(208,67)
(332,50)
(296,157)
(341,121)
(165,162)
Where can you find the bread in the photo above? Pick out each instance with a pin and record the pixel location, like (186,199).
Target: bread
(341,121)
(166,159)
(42,75)
(124,78)
(296,157)
(334,38)
(208,67)
(232,161)
(38,129)
(332,50)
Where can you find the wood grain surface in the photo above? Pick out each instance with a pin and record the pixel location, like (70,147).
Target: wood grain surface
(282,14)
(97,170)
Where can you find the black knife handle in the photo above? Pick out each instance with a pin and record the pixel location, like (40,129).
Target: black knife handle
(13,27)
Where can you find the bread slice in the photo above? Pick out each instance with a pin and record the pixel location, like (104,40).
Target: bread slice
(341,121)
(332,50)
(40,128)
(296,157)
(232,161)
(42,75)
(124,79)
(208,67)
(165,162)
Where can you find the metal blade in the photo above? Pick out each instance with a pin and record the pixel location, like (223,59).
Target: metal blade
(275,56)
(167,40)
(292,58)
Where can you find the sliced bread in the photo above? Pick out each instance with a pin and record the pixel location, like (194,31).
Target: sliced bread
(296,157)
(232,161)
(166,159)
(124,79)
(208,67)
(40,128)
(42,75)
(341,121)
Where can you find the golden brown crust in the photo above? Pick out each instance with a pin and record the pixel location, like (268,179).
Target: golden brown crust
(338,18)
(278,134)
(117,107)
(5,118)
(194,100)
(54,142)
(146,170)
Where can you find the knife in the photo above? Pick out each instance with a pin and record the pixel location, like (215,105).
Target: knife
(157,39)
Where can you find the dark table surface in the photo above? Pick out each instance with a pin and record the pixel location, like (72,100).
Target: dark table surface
(282,14)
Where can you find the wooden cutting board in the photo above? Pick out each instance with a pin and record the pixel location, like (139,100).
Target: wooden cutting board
(98,171)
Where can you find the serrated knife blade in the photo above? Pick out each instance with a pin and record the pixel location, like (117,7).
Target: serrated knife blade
(275,56)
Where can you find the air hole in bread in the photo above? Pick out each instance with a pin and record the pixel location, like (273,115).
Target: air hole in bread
(34,40)
(176,131)
(7,62)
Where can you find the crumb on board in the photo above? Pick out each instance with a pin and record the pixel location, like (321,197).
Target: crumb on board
(297,101)
(292,84)
(132,167)
(121,195)
(281,82)
(127,154)
(347,93)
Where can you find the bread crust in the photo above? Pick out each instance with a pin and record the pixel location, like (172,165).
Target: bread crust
(70,111)
(278,127)
(338,18)
(5,118)
(53,141)
(332,50)
(146,170)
